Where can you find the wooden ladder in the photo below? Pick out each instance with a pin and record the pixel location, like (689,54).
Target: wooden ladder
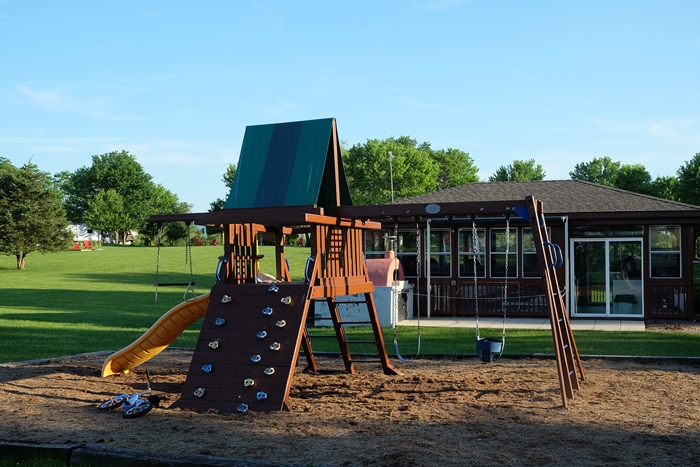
(344,342)
(549,257)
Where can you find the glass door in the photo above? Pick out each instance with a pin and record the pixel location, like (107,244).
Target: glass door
(625,277)
(606,277)
(588,278)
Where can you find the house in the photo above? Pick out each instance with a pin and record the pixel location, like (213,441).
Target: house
(624,255)
(82,232)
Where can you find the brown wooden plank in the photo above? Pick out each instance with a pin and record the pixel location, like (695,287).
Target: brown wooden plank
(480,208)
(342,222)
(340,290)
(286,215)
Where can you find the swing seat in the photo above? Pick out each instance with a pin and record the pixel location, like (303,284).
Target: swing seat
(486,347)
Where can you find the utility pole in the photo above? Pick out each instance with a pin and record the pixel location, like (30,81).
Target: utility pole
(391,176)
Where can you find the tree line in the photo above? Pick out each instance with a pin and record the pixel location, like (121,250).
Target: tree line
(115,195)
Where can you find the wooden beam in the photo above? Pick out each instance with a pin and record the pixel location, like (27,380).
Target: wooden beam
(428,210)
(335,221)
(284,215)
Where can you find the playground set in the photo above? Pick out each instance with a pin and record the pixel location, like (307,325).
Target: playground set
(290,180)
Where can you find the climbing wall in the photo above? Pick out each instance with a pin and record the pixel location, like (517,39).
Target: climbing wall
(246,353)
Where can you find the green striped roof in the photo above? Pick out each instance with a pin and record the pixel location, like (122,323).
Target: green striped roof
(289,164)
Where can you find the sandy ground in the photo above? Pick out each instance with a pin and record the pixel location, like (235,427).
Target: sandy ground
(438,412)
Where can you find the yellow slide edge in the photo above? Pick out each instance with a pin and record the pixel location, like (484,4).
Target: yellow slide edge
(158,337)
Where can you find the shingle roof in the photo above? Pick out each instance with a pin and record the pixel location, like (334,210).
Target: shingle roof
(560,197)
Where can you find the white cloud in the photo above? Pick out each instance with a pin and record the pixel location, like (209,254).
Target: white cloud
(57,100)
(672,129)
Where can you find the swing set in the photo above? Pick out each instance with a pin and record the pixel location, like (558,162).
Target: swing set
(549,257)
(188,260)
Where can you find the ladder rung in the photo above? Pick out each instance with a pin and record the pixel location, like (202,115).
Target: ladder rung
(342,322)
(349,303)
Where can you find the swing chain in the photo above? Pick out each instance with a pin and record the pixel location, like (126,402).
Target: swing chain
(505,281)
(160,232)
(475,248)
(188,253)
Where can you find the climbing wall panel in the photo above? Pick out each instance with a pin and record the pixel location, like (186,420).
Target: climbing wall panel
(246,352)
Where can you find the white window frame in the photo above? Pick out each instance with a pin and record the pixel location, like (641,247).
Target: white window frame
(468,255)
(447,254)
(677,252)
(511,254)
(533,252)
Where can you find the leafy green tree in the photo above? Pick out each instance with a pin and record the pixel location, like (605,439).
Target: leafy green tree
(31,215)
(601,170)
(519,171)
(630,177)
(164,201)
(106,212)
(665,187)
(688,188)
(415,169)
(228,177)
(689,181)
(456,168)
(634,177)
(118,171)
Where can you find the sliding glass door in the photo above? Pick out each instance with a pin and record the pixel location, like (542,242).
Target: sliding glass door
(607,277)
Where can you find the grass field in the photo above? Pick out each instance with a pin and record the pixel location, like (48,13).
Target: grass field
(74,302)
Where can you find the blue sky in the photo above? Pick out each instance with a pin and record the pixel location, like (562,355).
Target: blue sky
(176,83)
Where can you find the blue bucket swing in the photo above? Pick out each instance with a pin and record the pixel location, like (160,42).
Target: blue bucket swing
(490,349)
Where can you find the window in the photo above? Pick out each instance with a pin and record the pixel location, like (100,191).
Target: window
(407,253)
(376,243)
(440,253)
(587,231)
(469,256)
(498,253)
(530,266)
(625,230)
(665,241)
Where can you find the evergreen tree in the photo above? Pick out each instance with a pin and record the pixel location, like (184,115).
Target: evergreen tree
(32,217)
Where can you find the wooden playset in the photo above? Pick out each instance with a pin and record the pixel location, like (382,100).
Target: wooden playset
(290,180)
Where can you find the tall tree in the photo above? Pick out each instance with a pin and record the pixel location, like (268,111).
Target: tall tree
(601,170)
(634,177)
(107,212)
(665,187)
(689,181)
(688,189)
(118,171)
(228,177)
(456,168)
(370,174)
(163,201)
(630,177)
(31,215)
(519,171)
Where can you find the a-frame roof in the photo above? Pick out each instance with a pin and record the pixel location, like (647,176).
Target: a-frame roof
(290,164)
(577,199)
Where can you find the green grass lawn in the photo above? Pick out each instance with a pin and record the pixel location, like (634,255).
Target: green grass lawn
(73,302)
